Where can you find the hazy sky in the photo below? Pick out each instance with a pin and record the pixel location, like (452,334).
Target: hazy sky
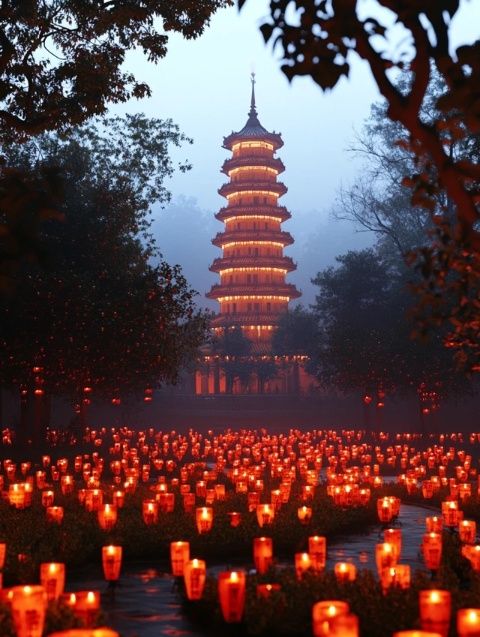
(204,86)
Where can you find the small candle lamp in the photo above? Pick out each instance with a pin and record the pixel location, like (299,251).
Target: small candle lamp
(204,519)
(253,500)
(66,484)
(472,553)
(150,512)
(265,514)
(435,609)
(344,626)
(434,524)
(188,502)
(28,604)
(384,510)
(303,563)
(17,496)
(107,517)
(220,492)
(324,612)
(394,537)
(41,479)
(317,549)
(398,575)
(304,514)
(93,499)
(201,489)
(262,553)
(111,562)
(385,556)
(450,513)
(194,575)
(231,592)
(118,498)
(235,518)
(52,578)
(468,622)
(345,572)
(47,498)
(55,514)
(179,556)
(87,606)
(467,531)
(166,501)
(432,550)
(265,590)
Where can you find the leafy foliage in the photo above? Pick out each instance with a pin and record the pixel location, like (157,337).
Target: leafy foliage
(365,343)
(105,310)
(61,63)
(62,60)
(319,40)
(296,334)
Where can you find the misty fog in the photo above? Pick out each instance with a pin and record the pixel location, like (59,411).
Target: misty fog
(184,232)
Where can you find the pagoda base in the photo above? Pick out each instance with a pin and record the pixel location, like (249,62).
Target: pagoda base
(257,375)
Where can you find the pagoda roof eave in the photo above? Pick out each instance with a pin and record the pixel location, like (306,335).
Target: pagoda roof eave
(253,135)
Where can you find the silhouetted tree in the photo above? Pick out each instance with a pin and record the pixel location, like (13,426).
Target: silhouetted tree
(365,343)
(61,63)
(105,311)
(319,39)
(297,333)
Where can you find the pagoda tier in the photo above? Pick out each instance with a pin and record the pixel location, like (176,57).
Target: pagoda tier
(240,264)
(252,292)
(234,238)
(231,166)
(241,290)
(247,186)
(237,213)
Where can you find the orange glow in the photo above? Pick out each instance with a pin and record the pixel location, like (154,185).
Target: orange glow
(273,244)
(247,217)
(252,145)
(246,169)
(252,192)
(258,297)
(234,270)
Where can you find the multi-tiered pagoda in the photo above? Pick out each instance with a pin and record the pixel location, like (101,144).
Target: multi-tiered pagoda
(252,291)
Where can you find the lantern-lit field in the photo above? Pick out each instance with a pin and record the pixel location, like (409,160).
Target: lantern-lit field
(271,507)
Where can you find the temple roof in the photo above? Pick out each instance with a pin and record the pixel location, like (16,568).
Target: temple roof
(253,129)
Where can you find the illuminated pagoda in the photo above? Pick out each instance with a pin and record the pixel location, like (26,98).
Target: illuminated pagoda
(252,292)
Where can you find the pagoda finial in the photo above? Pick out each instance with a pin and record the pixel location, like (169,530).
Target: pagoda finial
(253,109)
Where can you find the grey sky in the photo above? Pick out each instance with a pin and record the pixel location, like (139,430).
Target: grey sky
(203,85)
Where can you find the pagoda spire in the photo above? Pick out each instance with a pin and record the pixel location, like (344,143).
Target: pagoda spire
(253,108)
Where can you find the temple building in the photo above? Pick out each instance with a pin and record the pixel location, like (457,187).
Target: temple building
(252,292)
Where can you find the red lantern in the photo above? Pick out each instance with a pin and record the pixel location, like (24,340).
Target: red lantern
(194,574)
(262,553)
(231,592)
(111,562)
(179,556)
